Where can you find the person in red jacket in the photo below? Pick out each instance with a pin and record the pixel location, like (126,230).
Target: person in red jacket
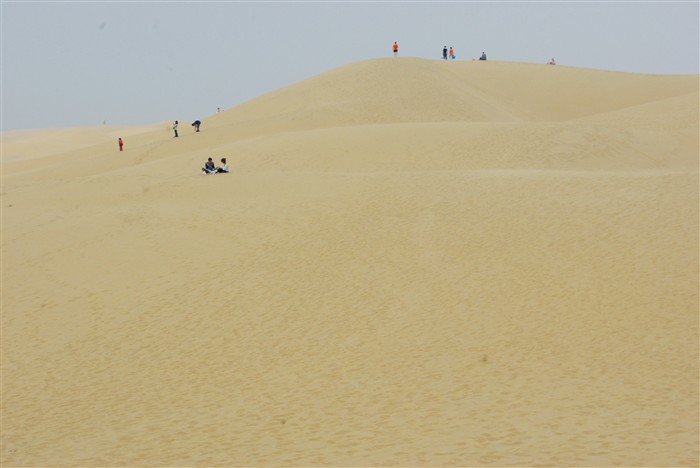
(121,145)
(396,49)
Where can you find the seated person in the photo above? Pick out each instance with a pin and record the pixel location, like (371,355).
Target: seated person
(209,167)
(483,56)
(552,62)
(224,167)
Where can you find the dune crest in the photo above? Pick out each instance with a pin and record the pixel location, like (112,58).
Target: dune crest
(418,90)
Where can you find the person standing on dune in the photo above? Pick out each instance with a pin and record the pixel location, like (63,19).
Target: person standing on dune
(444,53)
(121,144)
(175,128)
(396,49)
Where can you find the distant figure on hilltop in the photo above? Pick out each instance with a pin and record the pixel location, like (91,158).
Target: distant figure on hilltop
(452,53)
(196,125)
(483,56)
(121,144)
(396,49)
(175,128)
(552,62)
(444,52)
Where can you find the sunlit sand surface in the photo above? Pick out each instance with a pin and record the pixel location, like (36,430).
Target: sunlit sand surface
(412,263)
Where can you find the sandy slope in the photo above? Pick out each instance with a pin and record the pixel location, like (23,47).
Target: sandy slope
(31,144)
(412,263)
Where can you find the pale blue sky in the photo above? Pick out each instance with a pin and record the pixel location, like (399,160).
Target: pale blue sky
(68,64)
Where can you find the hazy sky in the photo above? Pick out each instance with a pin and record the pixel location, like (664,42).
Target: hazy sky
(67,64)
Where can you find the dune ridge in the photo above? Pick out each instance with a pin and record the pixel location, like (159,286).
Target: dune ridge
(412,263)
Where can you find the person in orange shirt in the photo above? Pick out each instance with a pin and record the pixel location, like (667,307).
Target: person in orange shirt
(396,49)
(452,53)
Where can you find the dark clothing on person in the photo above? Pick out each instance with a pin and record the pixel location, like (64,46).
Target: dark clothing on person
(483,56)
(196,125)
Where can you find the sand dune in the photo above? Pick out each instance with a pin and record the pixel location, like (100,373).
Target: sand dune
(32,144)
(412,263)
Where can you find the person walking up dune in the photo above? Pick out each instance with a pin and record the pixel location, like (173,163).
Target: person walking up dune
(175,128)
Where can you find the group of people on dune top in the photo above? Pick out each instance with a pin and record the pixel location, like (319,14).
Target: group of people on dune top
(446,54)
(450,54)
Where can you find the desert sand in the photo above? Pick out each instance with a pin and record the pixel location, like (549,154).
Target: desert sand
(412,263)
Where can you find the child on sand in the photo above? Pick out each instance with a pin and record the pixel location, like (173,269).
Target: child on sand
(209,167)
(223,168)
